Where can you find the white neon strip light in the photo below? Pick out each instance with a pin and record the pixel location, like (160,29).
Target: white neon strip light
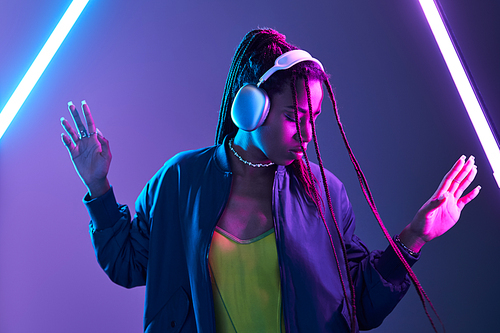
(42,60)
(463,85)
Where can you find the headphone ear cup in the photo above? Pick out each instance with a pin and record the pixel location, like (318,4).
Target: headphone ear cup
(250,107)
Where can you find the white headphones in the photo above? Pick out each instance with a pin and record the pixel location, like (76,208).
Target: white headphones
(251,104)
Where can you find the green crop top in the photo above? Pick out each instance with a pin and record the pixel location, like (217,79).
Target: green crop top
(245,283)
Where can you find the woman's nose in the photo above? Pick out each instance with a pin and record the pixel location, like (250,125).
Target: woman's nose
(306,130)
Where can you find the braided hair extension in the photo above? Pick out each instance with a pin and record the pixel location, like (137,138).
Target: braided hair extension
(254,56)
(371,202)
(301,170)
(223,126)
(329,199)
(352,308)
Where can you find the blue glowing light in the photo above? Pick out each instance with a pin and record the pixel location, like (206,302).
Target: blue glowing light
(41,62)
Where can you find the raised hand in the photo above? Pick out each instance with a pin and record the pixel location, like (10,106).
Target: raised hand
(442,210)
(89,151)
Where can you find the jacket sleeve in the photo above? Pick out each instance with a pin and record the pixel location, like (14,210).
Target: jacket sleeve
(380,279)
(121,244)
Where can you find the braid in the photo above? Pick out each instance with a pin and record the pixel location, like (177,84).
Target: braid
(256,54)
(330,206)
(301,171)
(308,180)
(223,126)
(369,198)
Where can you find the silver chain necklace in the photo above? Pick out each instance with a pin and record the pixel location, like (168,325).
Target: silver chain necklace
(258,165)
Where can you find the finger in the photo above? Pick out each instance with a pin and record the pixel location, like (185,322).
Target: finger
(78,121)
(67,127)
(67,142)
(448,178)
(104,143)
(462,174)
(88,117)
(468,197)
(466,182)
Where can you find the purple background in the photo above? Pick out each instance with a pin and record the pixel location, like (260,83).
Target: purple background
(153,73)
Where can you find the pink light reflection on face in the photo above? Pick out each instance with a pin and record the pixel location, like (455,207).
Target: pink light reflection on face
(277,139)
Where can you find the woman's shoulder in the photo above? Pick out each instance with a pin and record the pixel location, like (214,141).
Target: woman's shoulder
(189,157)
(331,178)
(185,163)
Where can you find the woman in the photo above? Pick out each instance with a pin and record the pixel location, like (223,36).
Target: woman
(247,235)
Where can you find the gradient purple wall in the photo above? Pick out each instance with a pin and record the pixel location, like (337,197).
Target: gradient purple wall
(153,73)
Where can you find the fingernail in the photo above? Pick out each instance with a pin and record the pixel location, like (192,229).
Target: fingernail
(84,102)
(70,103)
(479,187)
(62,119)
(472,158)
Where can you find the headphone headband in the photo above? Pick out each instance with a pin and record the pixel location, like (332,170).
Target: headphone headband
(287,60)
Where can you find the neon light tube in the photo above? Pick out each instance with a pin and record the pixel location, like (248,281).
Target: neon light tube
(41,62)
(463,84)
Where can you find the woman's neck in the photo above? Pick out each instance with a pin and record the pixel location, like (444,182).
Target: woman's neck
(250,153)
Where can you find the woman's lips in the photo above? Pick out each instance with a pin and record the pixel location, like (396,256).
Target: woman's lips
(297,152)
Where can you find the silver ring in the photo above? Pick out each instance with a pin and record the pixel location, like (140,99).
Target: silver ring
(84,134)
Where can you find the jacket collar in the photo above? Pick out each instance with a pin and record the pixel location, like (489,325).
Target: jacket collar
(220,155)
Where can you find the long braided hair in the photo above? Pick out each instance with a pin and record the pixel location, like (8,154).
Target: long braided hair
(254,56)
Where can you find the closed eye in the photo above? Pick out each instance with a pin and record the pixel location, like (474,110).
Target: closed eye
(290,117)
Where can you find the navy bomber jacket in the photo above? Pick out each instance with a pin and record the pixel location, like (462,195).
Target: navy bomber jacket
(166,245)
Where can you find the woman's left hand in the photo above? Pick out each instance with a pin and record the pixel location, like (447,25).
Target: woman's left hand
(443,209)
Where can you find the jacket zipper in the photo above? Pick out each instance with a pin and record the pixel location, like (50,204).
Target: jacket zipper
(278,249)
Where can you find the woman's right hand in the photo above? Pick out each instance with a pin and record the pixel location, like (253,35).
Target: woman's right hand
(89,151)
